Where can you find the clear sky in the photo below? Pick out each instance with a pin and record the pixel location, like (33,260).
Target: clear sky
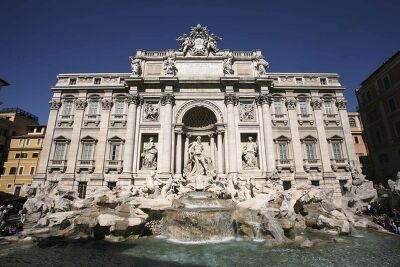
(39,39)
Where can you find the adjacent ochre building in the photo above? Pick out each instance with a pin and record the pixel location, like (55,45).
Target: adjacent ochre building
(117,128)
(360,145)
(22,161)
(379,107)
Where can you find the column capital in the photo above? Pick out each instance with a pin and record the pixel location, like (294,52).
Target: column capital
(167,99)
(291,103)
(134,99)
(55,104)
(341,103)
(263,99)
(316,103)
(211,135)
(179,131)
(107,103)
(231,99)
(80,103)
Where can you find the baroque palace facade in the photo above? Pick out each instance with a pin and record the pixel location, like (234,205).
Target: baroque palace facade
(118,128)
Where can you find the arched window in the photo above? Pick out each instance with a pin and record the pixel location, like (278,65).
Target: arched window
(352,123)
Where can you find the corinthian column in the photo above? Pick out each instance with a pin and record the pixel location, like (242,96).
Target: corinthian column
(220,153)
(265,101)
(212,151)
(133,102)
(231,101)
(178,160)
(167,100)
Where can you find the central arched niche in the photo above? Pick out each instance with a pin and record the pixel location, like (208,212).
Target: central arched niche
(199,118)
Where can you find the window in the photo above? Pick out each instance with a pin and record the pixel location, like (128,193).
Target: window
(310,150)
(119,107)
(97,80)
(299,80)
(35,155)
(59,151)
(386,82)
(278,107)
(67,109)
(38,141)
(17,155)
(28,141)
(323,81)
(303,107)
(115,151)
(315,183)
(32,170)
(93,107)
(356,141)
(352,123)
(328,107)
(111,185)
(72,81)
(13,170)
(283,151)
(392,105)
(20,141)
(87,151)
(337,150)
(82,189)
(21,170)
(9,186)
(24,155)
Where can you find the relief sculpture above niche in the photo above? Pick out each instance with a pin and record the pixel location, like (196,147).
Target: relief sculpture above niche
(151,111)
(246,112)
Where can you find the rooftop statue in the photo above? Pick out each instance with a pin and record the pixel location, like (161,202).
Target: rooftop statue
(199,42)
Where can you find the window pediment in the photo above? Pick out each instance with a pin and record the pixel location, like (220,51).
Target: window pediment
(309,138)
(282,139)
(61,139)
(88,139)
(116,139)
(335,138)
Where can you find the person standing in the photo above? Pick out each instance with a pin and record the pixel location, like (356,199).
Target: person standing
(53,206)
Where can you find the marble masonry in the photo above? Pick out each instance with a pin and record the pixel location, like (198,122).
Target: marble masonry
(198,113)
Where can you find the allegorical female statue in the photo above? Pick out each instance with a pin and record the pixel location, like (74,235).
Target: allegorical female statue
(249,154)
(149,155)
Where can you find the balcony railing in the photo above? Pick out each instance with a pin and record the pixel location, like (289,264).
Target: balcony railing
(305,118)
(118,118)
(340,163)
(309,164)
(85,164)
(113,165)
(331,118)
(279,118)
(92,118)
(282,164)
(57,165)
(68,119)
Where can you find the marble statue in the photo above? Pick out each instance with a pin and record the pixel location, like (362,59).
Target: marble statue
(135,66)
(246,112)
(198,162)
(249,154)
(169,67)
(227,65)
(211,45)
(151,112)
(232,188)
(199,42)
(261,66)
(185,42)
(149,155)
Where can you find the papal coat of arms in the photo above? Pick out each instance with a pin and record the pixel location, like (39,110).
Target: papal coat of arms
(199,42)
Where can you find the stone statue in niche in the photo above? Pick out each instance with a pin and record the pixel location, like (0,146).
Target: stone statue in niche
(249,154)
(246,112)
(169,67)
(151,112)
(149,155)
(135,66)
(261,66)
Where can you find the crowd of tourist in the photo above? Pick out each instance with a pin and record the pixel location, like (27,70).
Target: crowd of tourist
(387,218)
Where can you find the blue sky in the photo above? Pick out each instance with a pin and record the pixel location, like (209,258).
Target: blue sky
(40,39)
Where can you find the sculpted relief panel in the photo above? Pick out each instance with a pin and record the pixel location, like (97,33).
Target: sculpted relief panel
(246,111)
(151,111)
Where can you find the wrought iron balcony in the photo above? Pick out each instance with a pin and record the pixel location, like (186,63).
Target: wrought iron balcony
(113,165)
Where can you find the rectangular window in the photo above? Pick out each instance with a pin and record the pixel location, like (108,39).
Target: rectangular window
(310,151)
(24,155)
(115,151)
(352,123)
(303,108)
(119,107)
(356,141)
(72,81)
(97,80)
(299,80)
(386,82)
(87,151)
(328,107)
(278,108)
(392,105)
(323,81)
(35,155)
(38,141)
(59,151)
(21,170)
(337,150)
(67,109)
(93,108)
(82,189)
(283,151)
(13,170)
(17,155)
(20,141)
(32,171)
(28,141)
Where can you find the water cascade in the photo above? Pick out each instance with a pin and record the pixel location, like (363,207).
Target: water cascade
(198,217)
